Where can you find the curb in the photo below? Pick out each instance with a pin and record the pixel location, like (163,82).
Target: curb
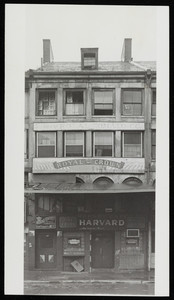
(88,281)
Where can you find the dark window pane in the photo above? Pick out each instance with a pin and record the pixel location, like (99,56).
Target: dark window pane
(105,150)
(74,151)
(132,138)
(46,241)
(153,109)
(153,152)
(46,151)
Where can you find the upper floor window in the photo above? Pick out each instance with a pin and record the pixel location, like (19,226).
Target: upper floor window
(46,144)
(153,102)
(74,144)
(132,102)
(26,144)
(46,103)
(103,144)
(89,58)
(132,144)
(45,203)
(153,144)
(103,102)
(74,102)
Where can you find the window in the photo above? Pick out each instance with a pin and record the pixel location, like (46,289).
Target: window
(132,102)
(46,103)
(132,181)
(74,102)
(89,57)
(26,144)
(74,144)
(46,144)
(153,144)
(103,102)
(103,144)
(132,144)
(45,203)
(133,233)
(153,102)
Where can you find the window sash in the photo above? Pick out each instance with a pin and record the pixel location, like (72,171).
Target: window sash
(132,103)
(46,103)
(134,149)
(42,148)
(74,103)
(72,149)
(101,148)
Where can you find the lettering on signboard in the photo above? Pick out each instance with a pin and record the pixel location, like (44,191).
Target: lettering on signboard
(101,162)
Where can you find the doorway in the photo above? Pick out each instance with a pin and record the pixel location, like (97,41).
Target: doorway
(46,249)
(102,250)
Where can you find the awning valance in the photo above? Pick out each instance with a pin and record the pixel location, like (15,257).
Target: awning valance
(87,188)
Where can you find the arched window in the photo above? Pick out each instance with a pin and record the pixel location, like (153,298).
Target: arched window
(132,181)
(103,181)
(79,180)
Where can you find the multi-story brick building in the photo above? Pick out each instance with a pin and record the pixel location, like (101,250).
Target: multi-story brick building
(90,130)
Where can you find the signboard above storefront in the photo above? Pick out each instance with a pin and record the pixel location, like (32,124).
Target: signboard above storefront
(88,126)
(88,165)
(92,222)
(45,222)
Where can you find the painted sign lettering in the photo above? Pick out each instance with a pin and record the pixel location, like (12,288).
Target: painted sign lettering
(75,162)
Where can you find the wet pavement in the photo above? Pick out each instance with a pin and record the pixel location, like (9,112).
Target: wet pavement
(88,288)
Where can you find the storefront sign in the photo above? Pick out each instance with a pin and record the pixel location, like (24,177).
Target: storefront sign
(88,126)
(48,222)
(88,165)
(90,222)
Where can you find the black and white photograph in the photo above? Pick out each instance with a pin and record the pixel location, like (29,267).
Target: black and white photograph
(89,108)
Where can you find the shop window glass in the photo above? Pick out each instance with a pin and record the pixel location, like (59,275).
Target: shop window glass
(132,144)
(46,103)
(153,102)
(103,102)
(153,144)
(132,102)
(74,144)
(42,258)
(46,144)
(103,143)
(74,102)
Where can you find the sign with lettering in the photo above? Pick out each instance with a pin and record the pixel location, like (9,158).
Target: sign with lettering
(88,126)
(91,222)
(88,165)
(45,222)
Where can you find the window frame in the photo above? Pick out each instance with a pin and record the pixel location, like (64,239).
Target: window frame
(84,101)
(37,101)
(152,103)
(93,143)
(55,146)
(64,142)
(142,101)
(142,152)
(113,102)
(153,145)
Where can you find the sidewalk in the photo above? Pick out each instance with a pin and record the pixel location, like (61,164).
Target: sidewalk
(56,276)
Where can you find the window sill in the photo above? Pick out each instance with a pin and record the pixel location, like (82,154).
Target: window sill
(46,117)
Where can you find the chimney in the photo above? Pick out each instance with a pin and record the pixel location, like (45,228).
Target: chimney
(127,50)
(47,51)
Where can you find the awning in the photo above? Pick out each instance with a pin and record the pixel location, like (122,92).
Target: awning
(87,188)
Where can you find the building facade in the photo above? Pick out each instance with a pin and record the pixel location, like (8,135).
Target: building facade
(90,130)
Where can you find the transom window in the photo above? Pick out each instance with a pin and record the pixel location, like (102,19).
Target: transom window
(74,102)
(132,144)
(74,144)
(153,102)
(46,103)
(103,102)
(132,102)
(103,144)
(46,144)
(153,144)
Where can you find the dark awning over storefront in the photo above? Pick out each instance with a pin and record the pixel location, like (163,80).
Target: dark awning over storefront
(87,188)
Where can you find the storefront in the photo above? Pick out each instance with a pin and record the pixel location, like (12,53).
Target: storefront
(77,230)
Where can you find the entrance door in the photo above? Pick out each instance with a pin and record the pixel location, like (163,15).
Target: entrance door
(103,250)
(46,249)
